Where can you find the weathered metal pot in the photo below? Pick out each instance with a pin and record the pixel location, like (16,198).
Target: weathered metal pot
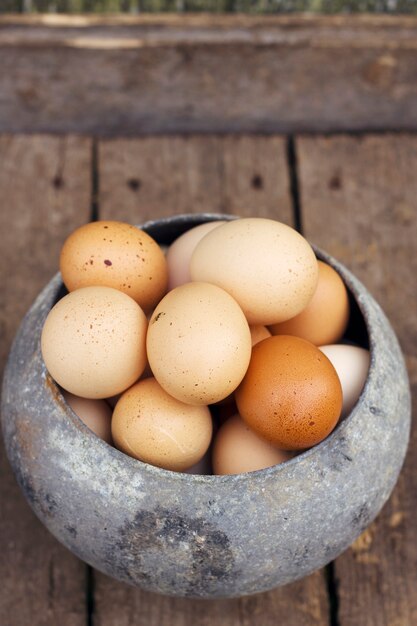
(205,536)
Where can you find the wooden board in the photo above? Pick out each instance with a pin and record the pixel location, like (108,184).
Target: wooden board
(358,198)
(207,73)
(143,178)
(252,6)
(176,175)
(301,604)
(45,191)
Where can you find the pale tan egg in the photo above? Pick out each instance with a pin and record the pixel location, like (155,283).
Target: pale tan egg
(93,342)
(268,267)
(258,333)
(179,253)
(325,318)
(118,255)
(152,426)
(96,414)
(237,449)
(352,366)
(198,343)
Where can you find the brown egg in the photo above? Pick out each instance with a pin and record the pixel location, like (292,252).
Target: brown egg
(238,449)
(154,427)
(96,414)
(118,255)
(325,318)
(291,394)
(93,342)
(258,333)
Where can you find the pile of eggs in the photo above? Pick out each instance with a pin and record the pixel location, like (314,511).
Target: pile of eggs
(220,355)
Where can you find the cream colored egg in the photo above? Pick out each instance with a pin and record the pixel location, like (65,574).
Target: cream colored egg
(93,342)
(154,427)
(268,267)
(352,366)
(118,255)
(96,414)
(180,251)
(198,343)
(259,333)
(237,449)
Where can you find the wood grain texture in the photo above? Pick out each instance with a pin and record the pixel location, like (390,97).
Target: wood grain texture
(45,192)
(185,74)
(154,177)
(151,177)
(358,199)
(252,6)
(301,604)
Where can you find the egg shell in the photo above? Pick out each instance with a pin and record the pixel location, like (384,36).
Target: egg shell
(152,426)
(325,318)
(180,251)
(96,414)
(198,343)
(237,449)
(268,267)
(258,333)
(291,394)
(118,255)
(93,342)
(352,366)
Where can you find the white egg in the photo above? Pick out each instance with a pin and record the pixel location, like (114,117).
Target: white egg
(352,365)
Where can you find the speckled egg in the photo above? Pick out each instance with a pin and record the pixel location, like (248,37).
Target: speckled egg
(291,394)
(118,255)
(93,342)
(198,343)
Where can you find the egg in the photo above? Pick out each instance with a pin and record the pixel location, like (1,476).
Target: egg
(118,255)
(198,343)
(237,449)
(93,342)
(180,251)
(96,414)
(291,394)
(268,267)
(325,318)
(258,333)
(352,366)
(152,426)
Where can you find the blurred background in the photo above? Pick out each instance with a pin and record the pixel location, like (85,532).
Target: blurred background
(218,6)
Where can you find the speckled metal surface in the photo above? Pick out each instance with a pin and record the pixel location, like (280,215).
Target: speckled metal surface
(204,536)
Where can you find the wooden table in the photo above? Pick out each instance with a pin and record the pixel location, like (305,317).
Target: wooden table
(353,194)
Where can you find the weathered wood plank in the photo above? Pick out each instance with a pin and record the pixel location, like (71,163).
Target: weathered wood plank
(358,199)
(303,603)
(45,192)
(155,176)
(176,175)
(206,73)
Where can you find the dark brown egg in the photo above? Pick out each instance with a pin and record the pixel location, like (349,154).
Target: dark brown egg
(291,394)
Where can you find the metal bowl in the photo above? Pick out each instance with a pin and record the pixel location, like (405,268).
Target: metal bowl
(205,536)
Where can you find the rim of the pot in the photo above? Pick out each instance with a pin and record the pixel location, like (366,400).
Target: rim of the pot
(356,289)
